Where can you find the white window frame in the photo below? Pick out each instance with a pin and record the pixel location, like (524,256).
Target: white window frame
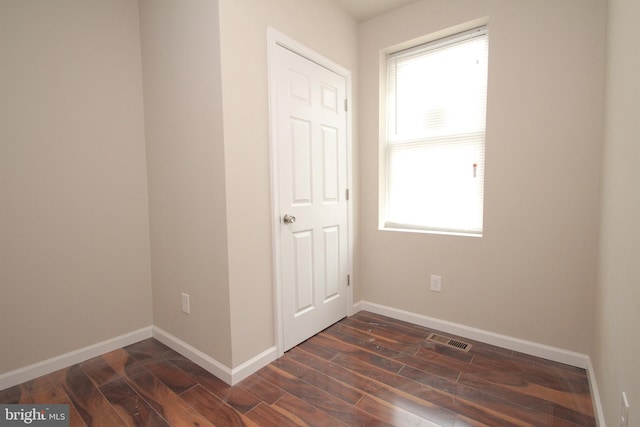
(386,223)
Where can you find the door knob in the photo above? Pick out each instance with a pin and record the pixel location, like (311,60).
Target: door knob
(288,219)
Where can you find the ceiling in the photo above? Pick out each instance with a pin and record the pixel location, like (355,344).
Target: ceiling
(362,10)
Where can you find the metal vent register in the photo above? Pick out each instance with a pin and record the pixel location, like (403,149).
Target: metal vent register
(449,342)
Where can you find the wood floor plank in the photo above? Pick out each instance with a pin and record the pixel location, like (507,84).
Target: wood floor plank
(447,386)
(324,382)
(344,376)
(437,367)
(132,408)
(237,397)
(262,389)
(474,402)
(122,362)
(53,392)
(39,383)
(99,371)
(545,404)
(418,400)
(550,365)
(379,329)
(265,416)
(164,401)
(388,341)
(467,422)
(75,419)
(92,406)
(214,409)
(353,351)
(489,409)
(535,381)
(421,400)
(438,405)
(322,400)
(360,365)
(18,394)
(391,413)
(321,346)
(374,343)
(448,358)
(176,379)
(150,349)
(304,412)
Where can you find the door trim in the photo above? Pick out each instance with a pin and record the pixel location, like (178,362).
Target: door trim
(275,39)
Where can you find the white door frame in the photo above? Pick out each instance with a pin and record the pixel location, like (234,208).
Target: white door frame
(275,39)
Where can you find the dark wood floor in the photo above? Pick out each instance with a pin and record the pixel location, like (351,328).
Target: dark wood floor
(367,370)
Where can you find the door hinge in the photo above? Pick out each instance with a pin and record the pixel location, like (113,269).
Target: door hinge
(348,280)
(346,105)
(347,194)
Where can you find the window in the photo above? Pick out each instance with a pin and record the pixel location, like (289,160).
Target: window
(436,109)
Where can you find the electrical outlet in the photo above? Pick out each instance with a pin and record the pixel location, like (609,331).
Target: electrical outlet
(436,283)
(186,307)
(624,411)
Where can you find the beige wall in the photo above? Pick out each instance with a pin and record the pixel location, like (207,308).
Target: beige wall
(321,26)
(74,242)
(185,156)
(617,316)
(533,273)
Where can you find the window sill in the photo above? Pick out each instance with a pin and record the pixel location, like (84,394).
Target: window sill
(427,231)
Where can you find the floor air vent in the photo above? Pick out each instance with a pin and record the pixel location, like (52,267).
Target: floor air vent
(449,342)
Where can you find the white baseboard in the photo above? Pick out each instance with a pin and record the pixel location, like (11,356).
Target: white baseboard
(220,370)
(228,375)
(205,361)
(27,373)
(595,395)
(253,365)
(528,347)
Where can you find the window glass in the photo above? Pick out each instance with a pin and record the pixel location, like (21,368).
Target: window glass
(436,109)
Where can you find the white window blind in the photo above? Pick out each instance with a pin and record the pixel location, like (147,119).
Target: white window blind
(436,109)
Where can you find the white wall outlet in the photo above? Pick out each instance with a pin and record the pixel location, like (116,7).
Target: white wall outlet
(186,307)
(436,283)
(624,411)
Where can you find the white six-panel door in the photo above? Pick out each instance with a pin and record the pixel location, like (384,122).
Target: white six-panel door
(312,182)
